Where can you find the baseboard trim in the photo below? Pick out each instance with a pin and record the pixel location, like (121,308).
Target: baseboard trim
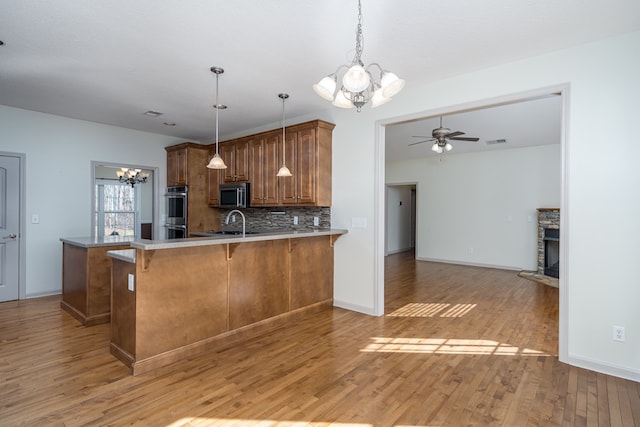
(471,264)
(354,307)
(603,368)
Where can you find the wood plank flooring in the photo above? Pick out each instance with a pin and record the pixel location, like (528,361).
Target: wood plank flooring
(458,346)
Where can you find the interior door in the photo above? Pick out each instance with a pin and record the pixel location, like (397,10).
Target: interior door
(9,227)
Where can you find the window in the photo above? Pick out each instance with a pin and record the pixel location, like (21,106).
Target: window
(117,209)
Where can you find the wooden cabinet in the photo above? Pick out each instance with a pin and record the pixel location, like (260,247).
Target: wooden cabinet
(264,150)
(86,281)
(176,166)
(308,156)
(213,185)
(187,165)
(257,158)
(193,298)
(235,154)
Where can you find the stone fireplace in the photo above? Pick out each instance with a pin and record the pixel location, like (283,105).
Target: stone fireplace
(549,242)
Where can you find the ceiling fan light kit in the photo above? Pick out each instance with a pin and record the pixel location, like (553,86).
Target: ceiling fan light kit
(441,137)
(358,85)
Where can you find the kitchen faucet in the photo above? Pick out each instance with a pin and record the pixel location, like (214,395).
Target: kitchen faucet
(226,221)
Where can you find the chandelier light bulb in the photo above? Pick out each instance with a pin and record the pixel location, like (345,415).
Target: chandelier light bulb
(378,98)
(342,101)
(448,147)
(356,79)
(391,84)
(326,87)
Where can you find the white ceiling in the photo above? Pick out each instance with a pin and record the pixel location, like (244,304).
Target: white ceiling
(110,61)
(521,124)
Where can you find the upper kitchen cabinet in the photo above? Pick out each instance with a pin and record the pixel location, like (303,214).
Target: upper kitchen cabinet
(263,167)
(308,156)
(187,166)
(213,187)
(177,158)
(235,154)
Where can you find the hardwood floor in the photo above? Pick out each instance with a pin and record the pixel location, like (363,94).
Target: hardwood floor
(458,346)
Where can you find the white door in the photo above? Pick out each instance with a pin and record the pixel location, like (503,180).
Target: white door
(9,227)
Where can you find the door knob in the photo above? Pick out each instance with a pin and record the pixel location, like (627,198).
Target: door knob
(11,236)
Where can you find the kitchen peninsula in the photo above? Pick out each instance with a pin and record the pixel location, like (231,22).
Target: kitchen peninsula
(174,298)
(86,276)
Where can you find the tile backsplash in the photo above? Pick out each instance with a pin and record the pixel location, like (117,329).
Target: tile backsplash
(280,218)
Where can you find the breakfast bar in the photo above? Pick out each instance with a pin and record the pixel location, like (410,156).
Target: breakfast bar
(172,299)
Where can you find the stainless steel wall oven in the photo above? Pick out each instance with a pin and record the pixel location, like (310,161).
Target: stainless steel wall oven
(176,224)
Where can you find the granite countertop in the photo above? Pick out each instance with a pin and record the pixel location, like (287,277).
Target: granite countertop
(219,239)
(92,242)
(128,255)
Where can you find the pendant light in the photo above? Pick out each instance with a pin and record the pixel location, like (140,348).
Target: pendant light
(216,161)
(284,170)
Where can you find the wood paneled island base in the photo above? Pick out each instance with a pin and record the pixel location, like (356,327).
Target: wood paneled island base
(191,298)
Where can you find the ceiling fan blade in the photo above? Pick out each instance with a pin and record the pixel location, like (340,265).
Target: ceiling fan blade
(420,136)
(464,138)
(421,142)
(455,133)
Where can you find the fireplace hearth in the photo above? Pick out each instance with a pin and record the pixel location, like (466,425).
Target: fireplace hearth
(549,242)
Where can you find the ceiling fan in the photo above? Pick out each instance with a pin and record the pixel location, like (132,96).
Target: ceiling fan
(441,137)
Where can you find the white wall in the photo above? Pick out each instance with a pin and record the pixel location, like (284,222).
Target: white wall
(480,208)
(59,152)
(398,236)
(598,285)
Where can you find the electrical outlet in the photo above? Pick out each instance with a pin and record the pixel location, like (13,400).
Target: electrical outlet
(618,333)
(295,220)
(316,221)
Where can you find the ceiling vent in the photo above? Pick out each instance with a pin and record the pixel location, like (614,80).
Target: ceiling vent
(496,141)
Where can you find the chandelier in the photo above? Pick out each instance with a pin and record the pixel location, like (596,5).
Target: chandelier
(216,161)
(132,176)
(358,84)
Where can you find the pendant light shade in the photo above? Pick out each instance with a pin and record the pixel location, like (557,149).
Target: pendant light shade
(216,161)
(284,170)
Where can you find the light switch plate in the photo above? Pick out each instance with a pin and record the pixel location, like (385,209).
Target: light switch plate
(359,222)
(131,282)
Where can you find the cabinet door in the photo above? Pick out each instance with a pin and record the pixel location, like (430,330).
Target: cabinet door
(256,154)
(306,171)
(241,160)
(213,187)
(177,167)
(228,154)
(288,193)
(271,164)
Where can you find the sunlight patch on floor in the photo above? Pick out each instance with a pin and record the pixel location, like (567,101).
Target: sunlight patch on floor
(418,309)
(446,346)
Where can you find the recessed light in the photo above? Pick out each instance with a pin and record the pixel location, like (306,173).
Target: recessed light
(152,113)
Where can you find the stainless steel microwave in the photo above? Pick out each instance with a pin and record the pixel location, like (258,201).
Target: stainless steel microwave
(234,195)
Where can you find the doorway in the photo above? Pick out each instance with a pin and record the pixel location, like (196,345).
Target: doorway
(400,218)
(131,211)
(381,185)
(10,232)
